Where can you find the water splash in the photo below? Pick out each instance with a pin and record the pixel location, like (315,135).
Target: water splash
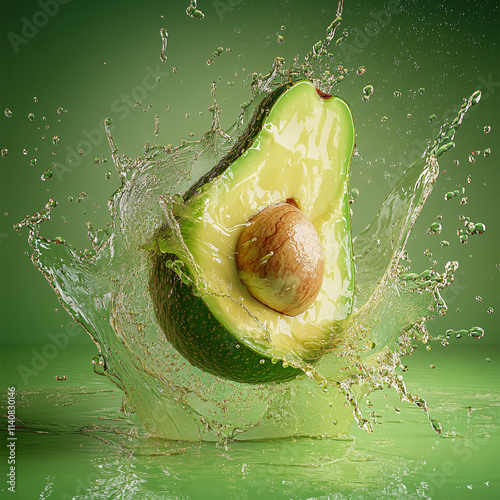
(178,401)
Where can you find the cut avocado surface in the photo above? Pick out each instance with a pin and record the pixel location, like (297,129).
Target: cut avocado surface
(297,147)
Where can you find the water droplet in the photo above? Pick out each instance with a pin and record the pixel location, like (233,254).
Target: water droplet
(490,310)
(46,175)
(262,361)
(5,151)
(193,12)
(384,119)
(281,38)
(488,360)
(175,69)
(475,97)
(7,112)
(107,175)
(367,426)
(421,90)
(82,196)
(432,117)
(33,161)
(367,92)
(99,363)
(210,62)
(436,425)
(274,360)
(361,70)
(428,348)
(464,238)
(472,159)
(476,332)
(479,228)
(70,198)
(55,140)
(61,110)
(469,228)
(469,179)
(444,243)
(449,195)
(96,161)
(479,298)
(353,194)
(164,41)
(487,152)
(434,228)
(397,93)
(31,116)
(463,201)
(487,129)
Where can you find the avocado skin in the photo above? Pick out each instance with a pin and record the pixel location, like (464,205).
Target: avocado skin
(200,338)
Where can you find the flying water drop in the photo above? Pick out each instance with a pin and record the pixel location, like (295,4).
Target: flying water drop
(164,41)
(46,175)
(367,92)
(193,11)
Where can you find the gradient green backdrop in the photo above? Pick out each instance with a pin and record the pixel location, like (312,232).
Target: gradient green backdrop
(96,59)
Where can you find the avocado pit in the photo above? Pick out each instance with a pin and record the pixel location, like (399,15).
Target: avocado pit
(280,258)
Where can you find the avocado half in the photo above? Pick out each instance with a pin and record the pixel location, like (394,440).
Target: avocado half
(297,147)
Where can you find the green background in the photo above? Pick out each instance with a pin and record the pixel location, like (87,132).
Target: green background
(95,59)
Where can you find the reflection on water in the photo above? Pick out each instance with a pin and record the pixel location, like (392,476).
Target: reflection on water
(93,451)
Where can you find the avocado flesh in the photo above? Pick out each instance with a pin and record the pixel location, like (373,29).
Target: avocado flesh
(299,148)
